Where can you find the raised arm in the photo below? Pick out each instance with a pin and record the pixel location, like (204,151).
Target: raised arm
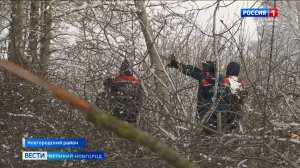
(192,71)
(188,70)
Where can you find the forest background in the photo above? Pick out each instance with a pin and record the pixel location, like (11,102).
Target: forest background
(78,44)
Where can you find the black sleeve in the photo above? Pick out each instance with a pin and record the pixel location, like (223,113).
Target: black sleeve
(192,71)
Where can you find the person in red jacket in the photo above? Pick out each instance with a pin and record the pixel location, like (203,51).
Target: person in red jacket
(124,93)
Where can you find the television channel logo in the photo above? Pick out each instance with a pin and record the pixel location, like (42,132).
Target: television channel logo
(61,155)
(259,12)
(34,155)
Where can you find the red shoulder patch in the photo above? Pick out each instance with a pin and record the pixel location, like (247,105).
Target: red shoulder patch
(123,78)
(226,81)
(204,82)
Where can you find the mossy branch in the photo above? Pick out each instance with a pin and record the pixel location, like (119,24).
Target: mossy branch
(101,119)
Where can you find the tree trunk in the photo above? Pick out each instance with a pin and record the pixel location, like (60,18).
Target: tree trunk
(16,37)
(33,33)
(16,45)
(216,56)
(152,50)
(46,31)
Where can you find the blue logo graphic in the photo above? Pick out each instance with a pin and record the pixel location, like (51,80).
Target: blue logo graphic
(53,142)
(254,12)
(34,155)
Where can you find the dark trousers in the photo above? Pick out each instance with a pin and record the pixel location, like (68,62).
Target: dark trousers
(126,115)
(229,119)
(125,109)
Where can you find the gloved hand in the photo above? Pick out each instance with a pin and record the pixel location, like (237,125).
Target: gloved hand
(174,62)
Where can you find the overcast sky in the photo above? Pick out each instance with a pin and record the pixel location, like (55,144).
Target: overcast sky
(229,14)
(232,13)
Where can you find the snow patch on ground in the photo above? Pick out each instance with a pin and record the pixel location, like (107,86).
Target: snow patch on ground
(26,135)
(20,115)
(5,146)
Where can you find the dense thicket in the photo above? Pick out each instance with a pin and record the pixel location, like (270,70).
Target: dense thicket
(78,44)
